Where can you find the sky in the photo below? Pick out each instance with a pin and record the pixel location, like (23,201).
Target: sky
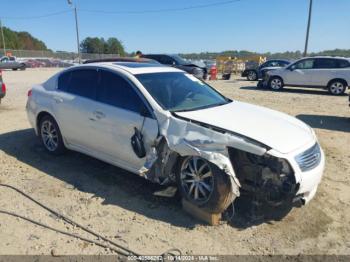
(254,25)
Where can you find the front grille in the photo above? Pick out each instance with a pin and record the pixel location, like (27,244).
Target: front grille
(310,158)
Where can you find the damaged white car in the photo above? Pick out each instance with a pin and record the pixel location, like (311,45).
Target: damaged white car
(171,128)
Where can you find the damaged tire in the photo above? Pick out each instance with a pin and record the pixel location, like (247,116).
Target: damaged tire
(204,184)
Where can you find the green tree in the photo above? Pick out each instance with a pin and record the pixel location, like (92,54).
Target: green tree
(92,45)
(21,41)
(95,45)
(114,46)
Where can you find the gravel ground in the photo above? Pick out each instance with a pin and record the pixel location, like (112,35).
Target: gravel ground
(121,206)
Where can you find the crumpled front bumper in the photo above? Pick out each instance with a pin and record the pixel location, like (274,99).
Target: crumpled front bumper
(307,181)
(310,180)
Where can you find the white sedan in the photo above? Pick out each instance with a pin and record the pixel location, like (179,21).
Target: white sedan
(173,129)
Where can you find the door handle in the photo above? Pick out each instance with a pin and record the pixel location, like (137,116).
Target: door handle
(58,99)
(99,115)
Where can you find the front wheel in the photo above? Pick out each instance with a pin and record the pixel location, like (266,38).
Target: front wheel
(204,184)
(337,87)
(276,83)
(50,135)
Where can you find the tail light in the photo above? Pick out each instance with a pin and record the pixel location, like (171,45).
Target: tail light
(30,93)
(3,88)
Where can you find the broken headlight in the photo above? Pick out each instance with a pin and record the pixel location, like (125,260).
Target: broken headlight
(268,178)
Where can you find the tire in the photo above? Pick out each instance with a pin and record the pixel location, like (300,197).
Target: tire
(23,67)
(276,83)
(252,75)
(50,136)
(260,85)
(14,69)
(337,87)
(217,184)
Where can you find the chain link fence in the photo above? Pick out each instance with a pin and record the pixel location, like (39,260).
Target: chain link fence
(58,55)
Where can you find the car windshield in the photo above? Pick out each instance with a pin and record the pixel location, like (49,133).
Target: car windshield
(177,91)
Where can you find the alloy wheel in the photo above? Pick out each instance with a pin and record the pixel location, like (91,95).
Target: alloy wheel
(276,84)
(251,75)
(49,135)
(197,179)
(337,88)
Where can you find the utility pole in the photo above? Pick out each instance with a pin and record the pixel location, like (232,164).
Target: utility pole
(308,30)
(3,38)
(76,28)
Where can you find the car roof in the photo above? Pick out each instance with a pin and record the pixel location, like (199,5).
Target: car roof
(331,57)
(121,59)
(277,59)
(133,67)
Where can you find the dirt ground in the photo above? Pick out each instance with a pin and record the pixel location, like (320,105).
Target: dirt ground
(121,206)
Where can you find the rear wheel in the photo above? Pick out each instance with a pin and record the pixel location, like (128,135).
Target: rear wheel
(252,76)
(50,135)
(337,87)
(204,184)
(276,83)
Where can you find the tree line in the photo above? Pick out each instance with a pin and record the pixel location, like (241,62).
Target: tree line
(25,41)
(21,41)
(282,55)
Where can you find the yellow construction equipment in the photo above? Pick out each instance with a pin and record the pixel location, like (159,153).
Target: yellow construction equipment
(228,64)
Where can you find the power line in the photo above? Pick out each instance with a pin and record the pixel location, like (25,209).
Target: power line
(35,17)
(163,10)
(125,12)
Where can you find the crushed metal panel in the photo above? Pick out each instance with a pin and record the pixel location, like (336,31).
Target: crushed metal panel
(189,139)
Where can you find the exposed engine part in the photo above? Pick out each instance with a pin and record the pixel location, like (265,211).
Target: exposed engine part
(266,179)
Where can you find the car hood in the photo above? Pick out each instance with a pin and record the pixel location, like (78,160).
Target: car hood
(272,128)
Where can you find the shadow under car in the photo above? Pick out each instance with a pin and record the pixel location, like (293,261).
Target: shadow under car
(115,185)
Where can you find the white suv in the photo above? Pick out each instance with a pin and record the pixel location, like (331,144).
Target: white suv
(332,73)
(172,128)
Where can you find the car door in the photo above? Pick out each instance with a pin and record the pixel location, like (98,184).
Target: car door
(300,73)
(72,104)
(120,109)
(325,70)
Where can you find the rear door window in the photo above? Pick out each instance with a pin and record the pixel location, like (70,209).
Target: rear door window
(83,82)
(116,91)
(63,81)
(326,63)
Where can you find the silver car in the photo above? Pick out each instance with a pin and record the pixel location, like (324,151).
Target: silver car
(10,62)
